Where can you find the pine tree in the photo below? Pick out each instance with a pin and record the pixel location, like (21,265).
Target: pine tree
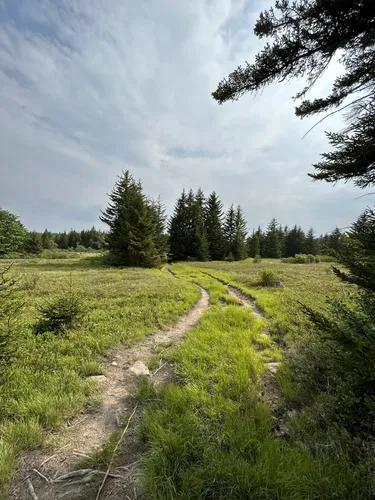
(199,235)
(239,245)
(294,241)
(272,244)
(161,238)
(311,244)
(253,244)
(48,241)
(307,36)
(62,241)
(178,229)
(33,243)
(213,224)
(132,228)
(74,239)
(229,230)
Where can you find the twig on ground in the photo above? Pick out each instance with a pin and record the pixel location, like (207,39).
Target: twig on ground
(31,489)
(53,456)
(160,367)
(42,476)
(114,452)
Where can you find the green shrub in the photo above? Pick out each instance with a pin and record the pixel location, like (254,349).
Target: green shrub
(301,258)
(257,259)
(268,278)
(60,313)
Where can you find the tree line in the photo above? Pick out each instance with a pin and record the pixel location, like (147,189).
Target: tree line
(199,229)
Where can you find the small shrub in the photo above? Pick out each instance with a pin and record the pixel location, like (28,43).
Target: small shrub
(268,278)
(60,313)
(257,259)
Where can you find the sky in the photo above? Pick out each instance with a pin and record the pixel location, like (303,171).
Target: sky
(90,88)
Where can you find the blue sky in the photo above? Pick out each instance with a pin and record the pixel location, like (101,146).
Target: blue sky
(89,88)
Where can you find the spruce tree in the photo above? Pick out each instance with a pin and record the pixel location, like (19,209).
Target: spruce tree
(239,245)
(213,224)
(294,241)
(178,229)
(132,228)
(33,243)
(311,244)
(74,239)
(229,230)
(253,244)
(199,235)
(272,243)
(161,238)
(48,241)
(307,35)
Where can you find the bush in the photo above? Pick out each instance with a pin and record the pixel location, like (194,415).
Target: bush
(257,259)
(60,314)
(301,258)
(268,278)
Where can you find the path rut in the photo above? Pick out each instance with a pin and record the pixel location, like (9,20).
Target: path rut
(89,432)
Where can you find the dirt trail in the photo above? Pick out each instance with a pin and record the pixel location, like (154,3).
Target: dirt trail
(89,432)
(269,390)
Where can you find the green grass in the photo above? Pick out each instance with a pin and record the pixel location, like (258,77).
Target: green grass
(46,383)
(209,436)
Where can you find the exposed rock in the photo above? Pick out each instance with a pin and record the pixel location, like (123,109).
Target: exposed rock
(279,284)
(272,367)
(114,363)
(139,368)
(97,378)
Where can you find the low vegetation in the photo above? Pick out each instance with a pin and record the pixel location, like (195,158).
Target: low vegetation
(46,381)
(210,435)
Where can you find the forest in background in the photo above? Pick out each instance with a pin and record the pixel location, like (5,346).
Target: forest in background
(199,229)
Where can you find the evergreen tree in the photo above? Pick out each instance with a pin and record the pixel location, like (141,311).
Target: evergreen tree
(239,245)
(213,224)
(307,36)
(48,241)
(33,243)
(294,242)
(311,244)
(12,233)
(272,244)
(62,241)
(178,229)
(161,238)
(229,230)
(199,234)
(74,239)
(132,228)
(253,244)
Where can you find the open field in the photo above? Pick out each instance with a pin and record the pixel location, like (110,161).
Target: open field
(225,426)
(46,383)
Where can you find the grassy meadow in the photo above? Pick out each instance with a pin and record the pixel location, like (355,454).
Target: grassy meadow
(208,435)
(46,382)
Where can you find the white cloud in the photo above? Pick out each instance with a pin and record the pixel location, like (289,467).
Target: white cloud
(87,90)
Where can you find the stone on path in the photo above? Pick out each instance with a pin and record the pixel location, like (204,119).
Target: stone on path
(139,368)
(272,367)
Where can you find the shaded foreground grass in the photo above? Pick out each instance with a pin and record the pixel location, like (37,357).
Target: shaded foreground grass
(209,437)
(46,382)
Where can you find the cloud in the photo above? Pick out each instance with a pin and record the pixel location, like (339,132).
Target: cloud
(88,90)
